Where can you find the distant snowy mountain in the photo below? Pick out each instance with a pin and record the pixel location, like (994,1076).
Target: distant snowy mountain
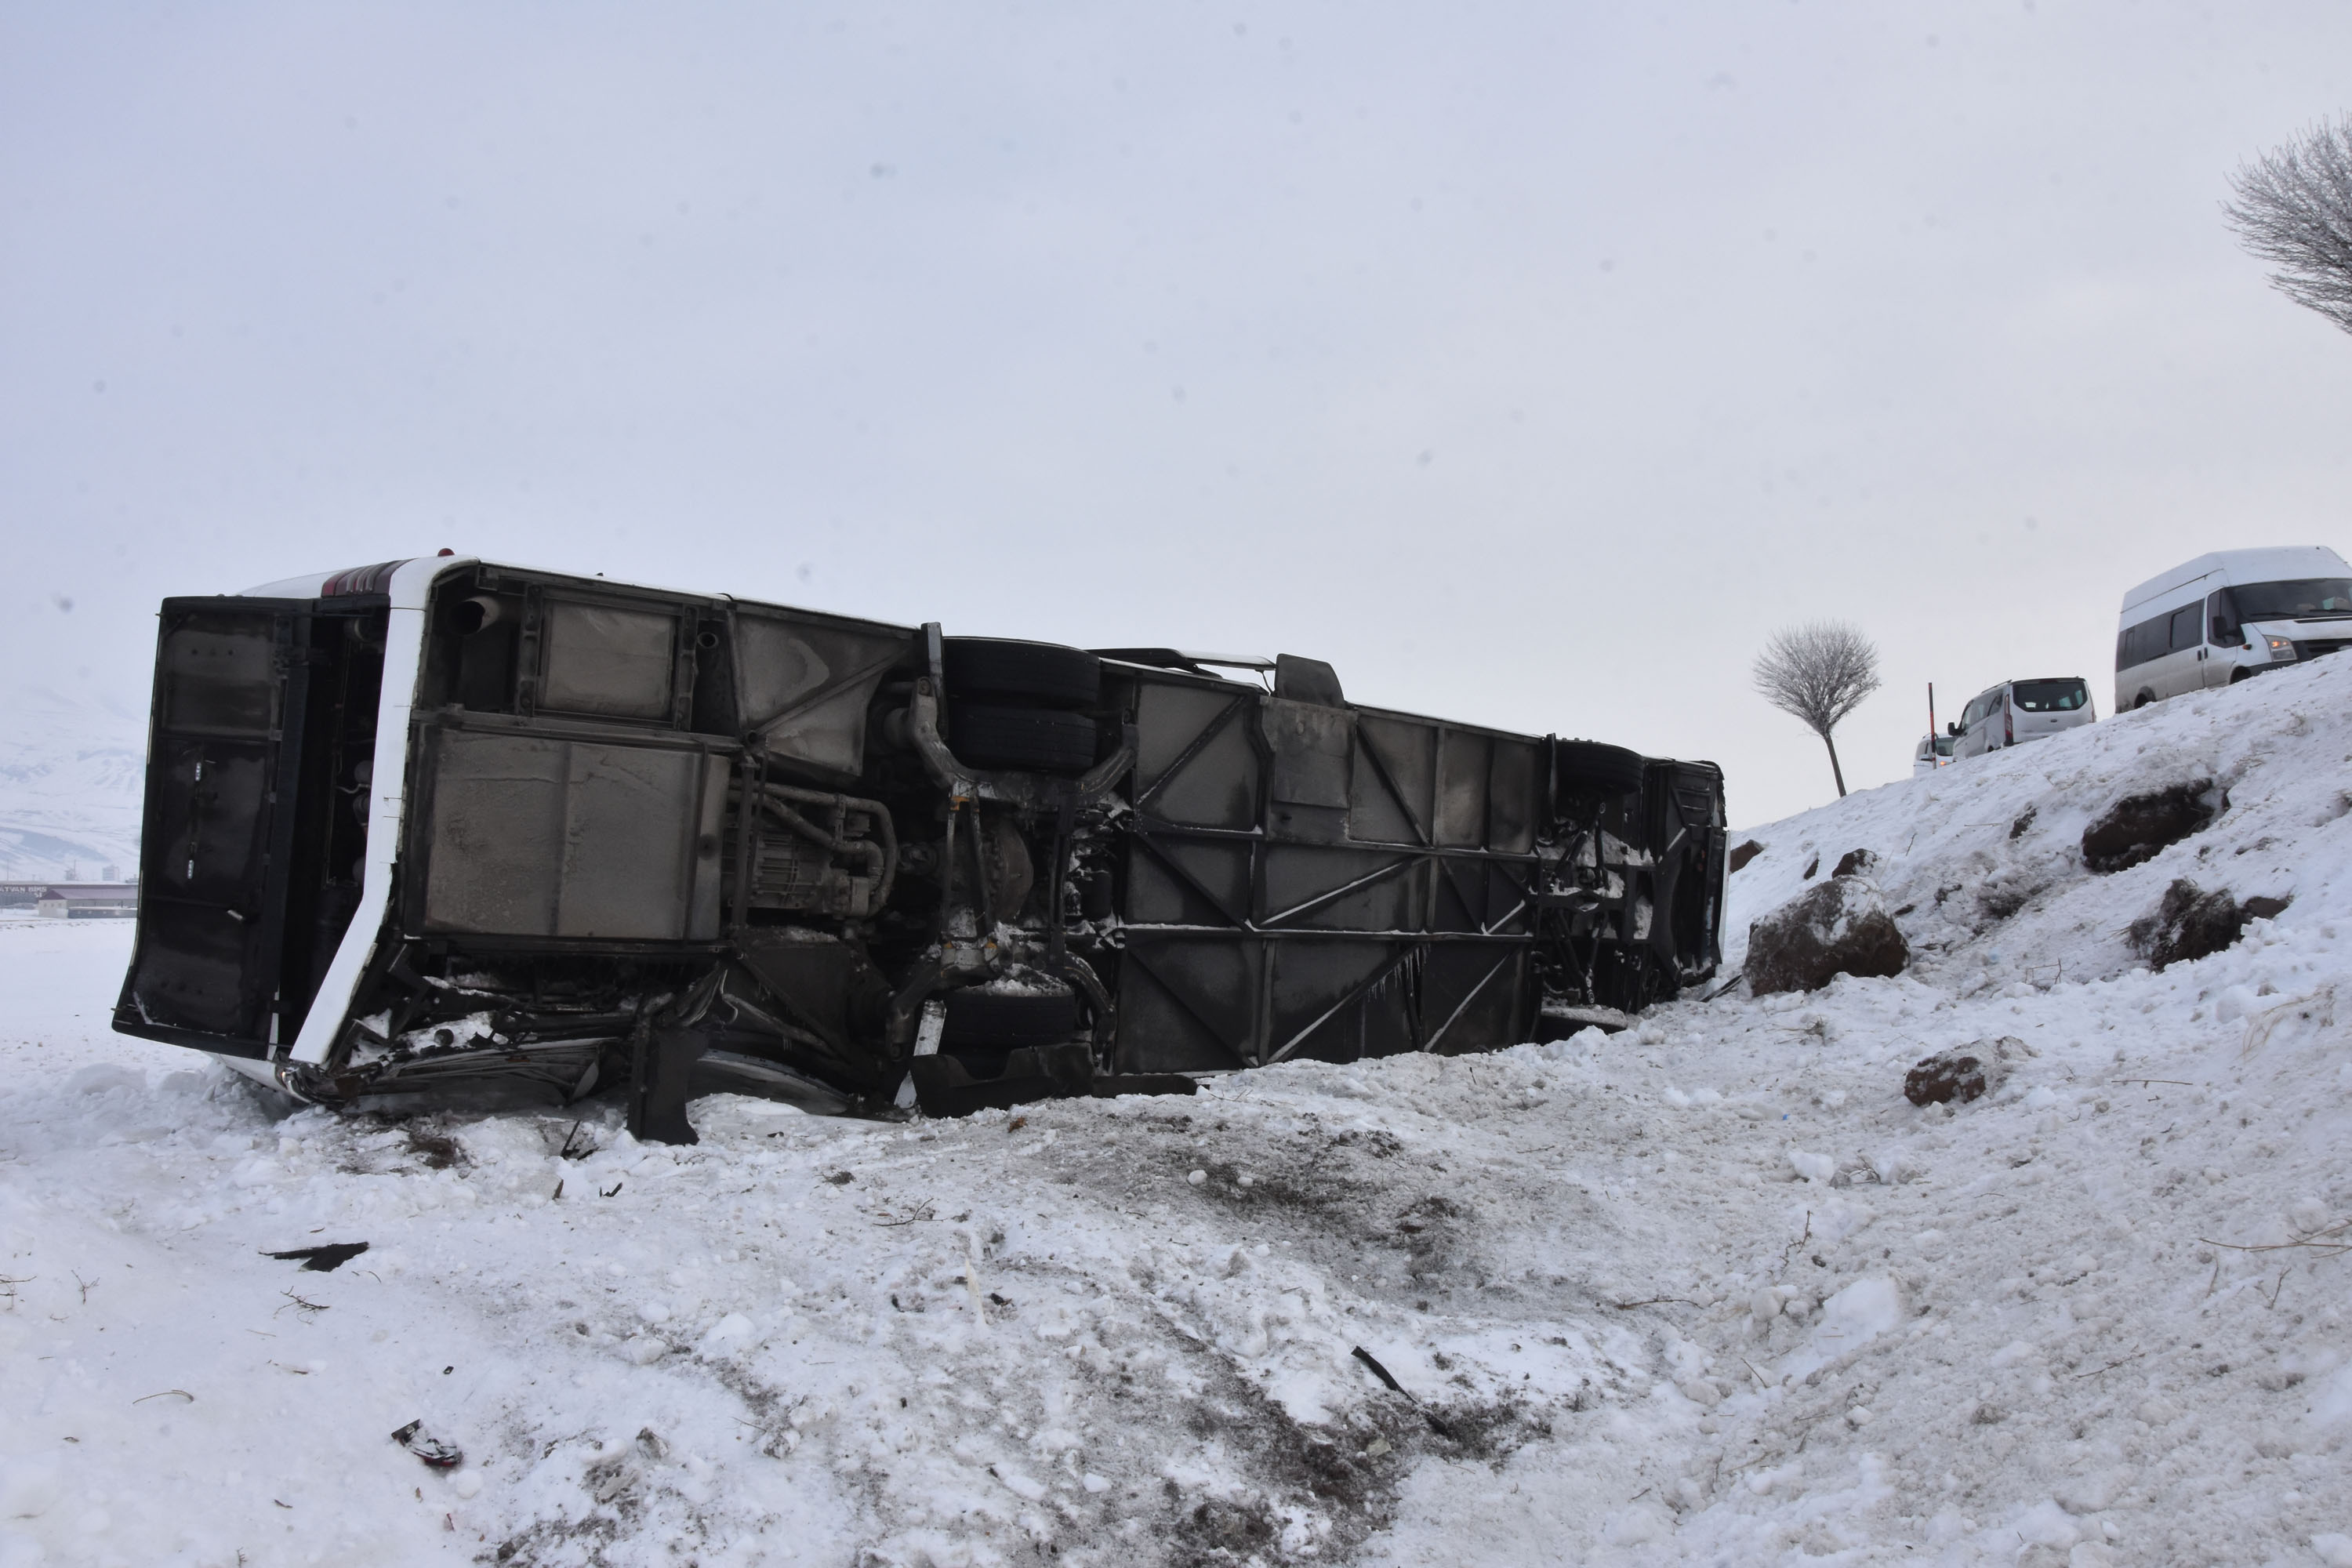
(72,770)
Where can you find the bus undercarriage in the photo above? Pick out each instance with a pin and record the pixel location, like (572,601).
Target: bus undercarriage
(445,822)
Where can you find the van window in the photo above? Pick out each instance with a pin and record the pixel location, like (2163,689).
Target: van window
(2305,597)
(2050,696)
(2151,639)
(2221,619)
(1944,745)
(2188,625)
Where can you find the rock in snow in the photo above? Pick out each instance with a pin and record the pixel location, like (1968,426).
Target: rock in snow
(1839,927)
(2140,826)
(2190,923)
(1968,1073)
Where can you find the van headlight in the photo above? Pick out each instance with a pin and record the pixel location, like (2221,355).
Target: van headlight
(2281,647)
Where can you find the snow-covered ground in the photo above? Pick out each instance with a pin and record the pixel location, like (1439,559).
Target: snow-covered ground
(71,774)
(2097,1318)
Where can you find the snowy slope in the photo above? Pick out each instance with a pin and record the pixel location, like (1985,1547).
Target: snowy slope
(2005,831)
(2098,1318)
(71,774)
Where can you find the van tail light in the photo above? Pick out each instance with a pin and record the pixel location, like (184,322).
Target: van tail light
(2007,727)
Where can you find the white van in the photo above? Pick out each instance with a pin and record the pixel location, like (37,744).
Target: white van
(2016,711)
(1933,752)
(2228,614)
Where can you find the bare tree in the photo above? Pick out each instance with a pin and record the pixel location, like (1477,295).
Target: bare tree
(2294,210)
(1818,672)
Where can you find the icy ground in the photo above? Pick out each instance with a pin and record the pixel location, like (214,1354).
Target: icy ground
(1712,1292)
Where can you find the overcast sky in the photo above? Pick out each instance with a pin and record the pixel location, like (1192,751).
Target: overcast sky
(1531,363)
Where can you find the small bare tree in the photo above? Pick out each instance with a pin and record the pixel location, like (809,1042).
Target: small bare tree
(2294,210)
(1818,672)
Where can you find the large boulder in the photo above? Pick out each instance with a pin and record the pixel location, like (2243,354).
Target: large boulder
(1839,927)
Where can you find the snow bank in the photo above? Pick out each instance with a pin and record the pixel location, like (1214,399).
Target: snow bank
(1982,864)
(1708,1291)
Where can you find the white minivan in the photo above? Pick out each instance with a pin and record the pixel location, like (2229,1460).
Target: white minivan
(2228,614)
(1933,752)
(2016,711)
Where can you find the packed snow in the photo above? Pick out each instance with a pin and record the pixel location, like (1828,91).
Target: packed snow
(1708,1291)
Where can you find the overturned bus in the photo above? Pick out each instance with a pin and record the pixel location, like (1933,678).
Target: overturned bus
(443,822)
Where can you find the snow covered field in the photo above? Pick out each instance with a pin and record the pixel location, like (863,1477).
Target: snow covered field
(1710,1292)
(71,780)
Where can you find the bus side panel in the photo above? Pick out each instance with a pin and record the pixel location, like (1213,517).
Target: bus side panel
(1305,881)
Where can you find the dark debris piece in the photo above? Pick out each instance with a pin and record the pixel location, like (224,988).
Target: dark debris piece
(1370,1360)
(435,1452)
(321,1259)
(438,1153)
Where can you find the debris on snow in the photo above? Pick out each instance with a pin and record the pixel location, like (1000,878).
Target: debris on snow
(321,1259)
(436,1453)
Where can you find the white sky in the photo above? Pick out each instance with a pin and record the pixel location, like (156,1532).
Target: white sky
(1531,363)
